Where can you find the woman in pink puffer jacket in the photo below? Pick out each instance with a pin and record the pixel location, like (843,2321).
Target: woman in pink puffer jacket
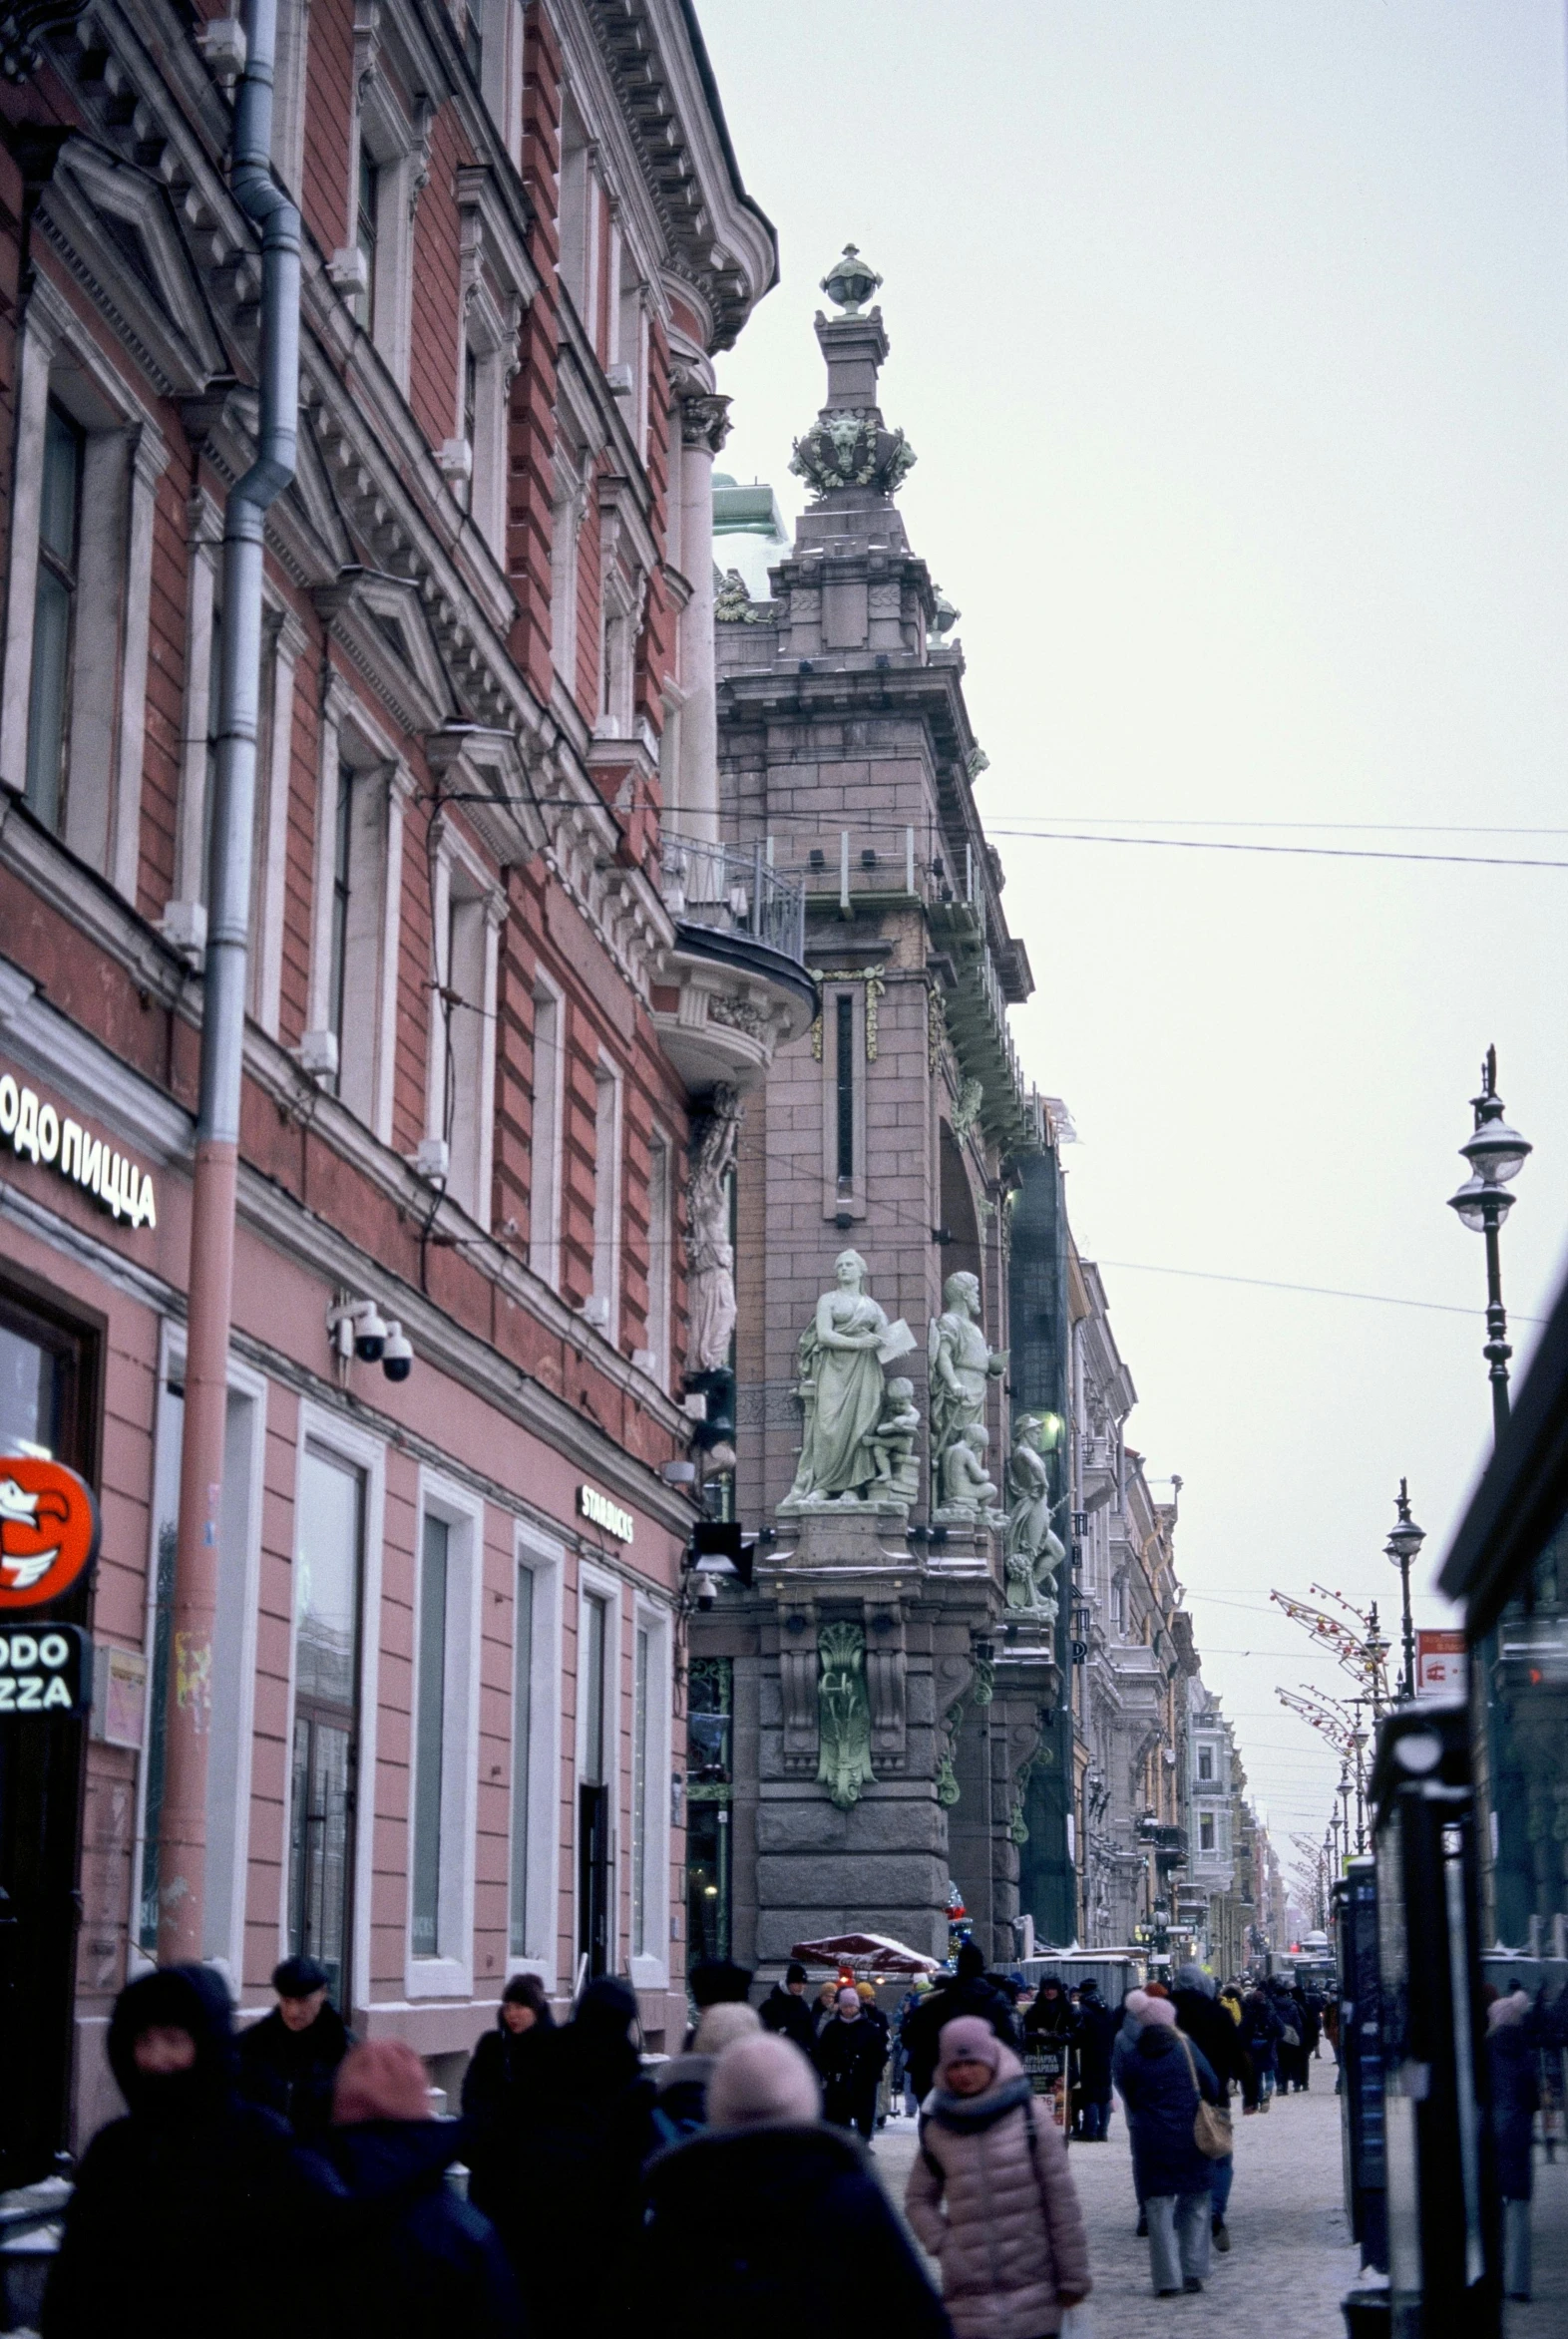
(998,2211)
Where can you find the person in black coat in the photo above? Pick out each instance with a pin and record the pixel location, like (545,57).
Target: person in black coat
(1260,2035)
(410,2260)
(1098,2027)
(772,2226)
(850,2053)
(501,2072)
(969,1991)
(585,2130)
(194,2214)
(1203,2020)
(1512,2061)
(1162,2077)
(290,2060)
(787,2011)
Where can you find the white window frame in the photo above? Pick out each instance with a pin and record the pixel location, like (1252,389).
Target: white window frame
(648,1831)
(386,786)
(608,1137)
(287,641)
(126,457)
(449,1974)
(356,1449)
(462,882)
(399,148)
(598,1583)
(662,1255)
(547,1153)
(545,1559)
(233,1729)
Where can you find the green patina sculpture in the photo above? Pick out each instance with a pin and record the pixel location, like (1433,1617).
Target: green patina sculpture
(844,1714)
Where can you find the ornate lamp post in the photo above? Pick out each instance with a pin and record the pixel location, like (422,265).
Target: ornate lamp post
(1344,1807)
(1359,1741)
(1405,1542)
(1495,1154)
(1377,1649)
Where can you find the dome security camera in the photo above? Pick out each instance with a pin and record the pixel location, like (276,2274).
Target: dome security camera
(397,1356)
(370,1332)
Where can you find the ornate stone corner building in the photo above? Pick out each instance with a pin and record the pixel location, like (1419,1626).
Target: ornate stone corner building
(889,1680)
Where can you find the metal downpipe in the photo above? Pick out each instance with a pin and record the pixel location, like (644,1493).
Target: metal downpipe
(181,1837)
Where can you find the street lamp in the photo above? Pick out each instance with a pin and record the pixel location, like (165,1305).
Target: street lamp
(1377,1649)
(1405,1542)
(1495,1154)
(1359,1741)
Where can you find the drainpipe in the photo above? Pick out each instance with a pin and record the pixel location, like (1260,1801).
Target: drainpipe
(183,1822)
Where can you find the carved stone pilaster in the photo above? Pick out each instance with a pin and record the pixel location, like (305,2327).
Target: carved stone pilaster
(886,1682)
(704,420)
(798,1687)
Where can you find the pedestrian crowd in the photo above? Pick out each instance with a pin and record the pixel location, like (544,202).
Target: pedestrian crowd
(293,2178)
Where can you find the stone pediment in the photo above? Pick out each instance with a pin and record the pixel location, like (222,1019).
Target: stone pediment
(111,226)
(380,621)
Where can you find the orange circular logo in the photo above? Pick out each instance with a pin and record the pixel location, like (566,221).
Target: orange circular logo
(48,1530)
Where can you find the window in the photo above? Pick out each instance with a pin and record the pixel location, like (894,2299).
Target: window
(640,1881)
(342,857)
(460,1089)
(521,1759)
(430,1738)
(844,1069)
(709,1789)
(328,1569)
(59,535)
(594,1915)
(660,1253)
(366,226)
(1206,1831)
(1206,1763)
(544,1253)
(465,487)
(606,1201)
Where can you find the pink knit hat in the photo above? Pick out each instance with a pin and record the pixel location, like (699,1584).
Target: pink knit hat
(763,2082)
(1158,2014)
(383,2079)
(968,2040)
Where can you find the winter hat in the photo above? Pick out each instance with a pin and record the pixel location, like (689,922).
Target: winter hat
(1134,2004)
(865,1993)
(717,1981)
(967,2039)
(1159,2015)
(797,1973)
(1193,1977)
(381,2079)
(1156,1990)
(1507,2011)
(527,1990)
(970,1962)
(299,1977)
(606,2009)
(722,2025)
(763,2082)
(852,1995)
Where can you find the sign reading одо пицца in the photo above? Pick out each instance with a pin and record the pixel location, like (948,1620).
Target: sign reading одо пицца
(45,1134)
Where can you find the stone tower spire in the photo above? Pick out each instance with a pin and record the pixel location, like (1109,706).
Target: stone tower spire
(849,457)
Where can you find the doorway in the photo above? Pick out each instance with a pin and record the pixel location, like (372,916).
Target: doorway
(48,1372)
(328,1568)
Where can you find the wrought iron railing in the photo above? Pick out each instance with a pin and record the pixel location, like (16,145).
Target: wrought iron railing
(734,889)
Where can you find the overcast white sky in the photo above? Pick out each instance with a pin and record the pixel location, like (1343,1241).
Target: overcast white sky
(1233,340)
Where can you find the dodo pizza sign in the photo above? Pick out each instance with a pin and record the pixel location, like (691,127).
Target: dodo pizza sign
(48,1531)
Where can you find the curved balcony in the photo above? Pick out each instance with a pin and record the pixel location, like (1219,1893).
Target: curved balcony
(734,987)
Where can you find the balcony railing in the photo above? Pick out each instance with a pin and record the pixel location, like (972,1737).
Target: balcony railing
(734,889)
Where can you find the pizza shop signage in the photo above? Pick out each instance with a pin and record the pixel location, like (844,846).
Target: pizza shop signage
(36,1128)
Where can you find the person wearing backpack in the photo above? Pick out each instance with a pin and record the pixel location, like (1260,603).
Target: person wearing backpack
(990,2197)
(1165,2083)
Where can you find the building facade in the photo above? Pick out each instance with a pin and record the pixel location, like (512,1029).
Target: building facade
(878,1692)
(487,1003)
